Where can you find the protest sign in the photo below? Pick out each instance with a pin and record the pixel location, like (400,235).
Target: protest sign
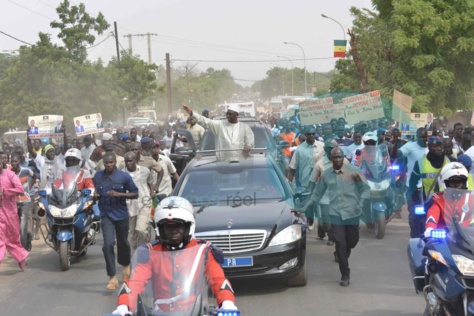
(417,120)
(45,126)
(319,111)
(88,124)
(363,107)
(401,109)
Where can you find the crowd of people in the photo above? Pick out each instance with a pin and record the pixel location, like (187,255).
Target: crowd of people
(330,161)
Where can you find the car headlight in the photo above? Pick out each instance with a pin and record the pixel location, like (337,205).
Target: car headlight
(437,256)
(69,211)
(290,234)
(465,265)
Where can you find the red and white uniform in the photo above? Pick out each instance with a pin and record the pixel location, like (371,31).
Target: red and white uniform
(84,180)
(163,272)
(440,214)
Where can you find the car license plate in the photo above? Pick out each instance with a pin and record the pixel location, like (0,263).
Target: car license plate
(238,262)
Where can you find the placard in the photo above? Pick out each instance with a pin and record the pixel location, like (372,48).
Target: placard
(45,126)
(363,107)
(401,109)
(88,124)
(320,111)
(417,120)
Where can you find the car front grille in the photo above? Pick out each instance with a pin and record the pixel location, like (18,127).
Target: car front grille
(235,241)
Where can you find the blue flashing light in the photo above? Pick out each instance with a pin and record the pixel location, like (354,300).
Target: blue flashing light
(395,167)
(228,313)
(420,210)
(86,192)
(438,234)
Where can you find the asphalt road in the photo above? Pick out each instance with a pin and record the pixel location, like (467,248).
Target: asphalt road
(380,283)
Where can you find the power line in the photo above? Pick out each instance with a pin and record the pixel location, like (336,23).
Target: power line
(109,36)
(35,12)
(19,40)
(47,4)
(245,61)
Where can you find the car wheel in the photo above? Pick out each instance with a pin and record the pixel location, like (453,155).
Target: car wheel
(299,279)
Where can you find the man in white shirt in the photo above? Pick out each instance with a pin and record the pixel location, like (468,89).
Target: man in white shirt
(229,134)
(139,209)
(169,170)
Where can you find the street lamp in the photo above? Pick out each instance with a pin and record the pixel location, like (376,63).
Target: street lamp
(292,78)
(304,62)
(343,32)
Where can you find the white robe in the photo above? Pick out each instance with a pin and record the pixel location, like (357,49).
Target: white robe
(228,136)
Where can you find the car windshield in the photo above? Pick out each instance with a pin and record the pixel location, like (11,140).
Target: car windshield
(248,184)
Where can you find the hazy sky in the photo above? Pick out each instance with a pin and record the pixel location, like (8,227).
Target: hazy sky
(243,36)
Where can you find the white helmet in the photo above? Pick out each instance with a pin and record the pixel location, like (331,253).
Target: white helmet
(452,170)
(369,136)
(175,209)
(73,152)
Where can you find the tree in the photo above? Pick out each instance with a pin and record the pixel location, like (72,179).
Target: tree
(76,28)
(422,48)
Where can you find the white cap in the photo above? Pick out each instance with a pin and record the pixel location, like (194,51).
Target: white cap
(106,136)
(233,107)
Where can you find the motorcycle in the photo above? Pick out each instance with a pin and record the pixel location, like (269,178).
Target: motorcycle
(70,217)
(442,265)
(192,298)
(377,171)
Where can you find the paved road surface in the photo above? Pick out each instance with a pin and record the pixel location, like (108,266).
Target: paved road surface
(380,283)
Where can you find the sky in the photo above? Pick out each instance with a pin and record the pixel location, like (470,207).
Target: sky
(244,36)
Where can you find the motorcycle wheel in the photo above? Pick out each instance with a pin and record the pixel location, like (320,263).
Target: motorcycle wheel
(64,255)
(379,226)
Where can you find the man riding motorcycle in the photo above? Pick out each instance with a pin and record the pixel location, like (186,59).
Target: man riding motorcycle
(73,171)
(175,221)
(440,214)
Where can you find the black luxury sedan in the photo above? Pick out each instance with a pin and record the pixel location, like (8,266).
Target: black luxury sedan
(246,208)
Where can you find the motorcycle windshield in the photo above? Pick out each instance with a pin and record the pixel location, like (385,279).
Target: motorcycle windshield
(170,281)
(458,216)
(375,163)
(63,191)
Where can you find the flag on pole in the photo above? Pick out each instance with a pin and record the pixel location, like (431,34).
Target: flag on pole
(340,48)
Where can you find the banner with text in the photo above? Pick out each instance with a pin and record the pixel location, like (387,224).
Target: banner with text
(417,120)
(320,111)
(363,107)
(401,109)
(88,124)
(44,126)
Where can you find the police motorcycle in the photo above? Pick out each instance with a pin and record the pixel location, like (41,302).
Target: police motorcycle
(184,290)
(442,260)
(70,216)
(374,164)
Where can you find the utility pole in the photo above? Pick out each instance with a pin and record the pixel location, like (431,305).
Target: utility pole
(148,35)
(129,42)
(117,42)
(168,83)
